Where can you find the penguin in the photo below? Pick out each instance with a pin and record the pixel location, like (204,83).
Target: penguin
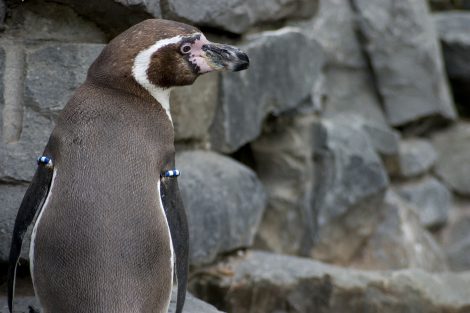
(111,229)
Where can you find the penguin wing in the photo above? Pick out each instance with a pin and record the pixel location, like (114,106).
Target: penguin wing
(176,216)
(33,201)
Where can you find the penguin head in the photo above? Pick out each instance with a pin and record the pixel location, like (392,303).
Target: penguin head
(163,54)
(181,56)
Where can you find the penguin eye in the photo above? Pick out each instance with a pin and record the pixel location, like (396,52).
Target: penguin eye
(186,48)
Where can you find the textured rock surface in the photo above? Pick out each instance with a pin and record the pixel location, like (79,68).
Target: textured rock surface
(236,15)
(284,163)
(115,15)
(263,282)
(2,12)
(274,84)
(193,108)
(411,79)
(351,91)
(416,157)
(53,72)
(348,85)
(46,21)
(454,32)
(458,253)
(452,145)
(431,198)
(350,184)
(384,140)
(192,305)
(400,241)
(333,28)
(456,237)
(2,92)
(224,201)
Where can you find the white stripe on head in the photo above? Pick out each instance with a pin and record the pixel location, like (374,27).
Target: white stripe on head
(141,66)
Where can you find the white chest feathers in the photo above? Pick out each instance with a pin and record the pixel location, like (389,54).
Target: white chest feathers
(140,72)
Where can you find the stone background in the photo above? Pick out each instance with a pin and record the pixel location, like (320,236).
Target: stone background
(339,162)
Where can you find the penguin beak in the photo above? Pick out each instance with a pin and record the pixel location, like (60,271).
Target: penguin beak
(224,57)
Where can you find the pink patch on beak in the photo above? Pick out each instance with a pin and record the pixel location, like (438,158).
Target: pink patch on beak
(197,55)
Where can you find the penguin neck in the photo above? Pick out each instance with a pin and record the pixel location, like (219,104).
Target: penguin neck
(162,95)
(155,96)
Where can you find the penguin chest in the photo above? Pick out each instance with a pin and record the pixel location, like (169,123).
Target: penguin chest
(116,247)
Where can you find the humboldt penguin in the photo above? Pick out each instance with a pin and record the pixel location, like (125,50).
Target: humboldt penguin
(111,229)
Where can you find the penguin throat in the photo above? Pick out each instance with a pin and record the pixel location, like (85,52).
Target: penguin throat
(162,95)
(139,71)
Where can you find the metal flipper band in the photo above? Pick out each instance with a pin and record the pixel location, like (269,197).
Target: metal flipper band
(46,161)
(171,173)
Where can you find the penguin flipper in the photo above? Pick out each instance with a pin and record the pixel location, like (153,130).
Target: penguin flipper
(177,221)
(33,201)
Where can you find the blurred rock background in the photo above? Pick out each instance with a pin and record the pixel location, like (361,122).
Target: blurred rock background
(332,176)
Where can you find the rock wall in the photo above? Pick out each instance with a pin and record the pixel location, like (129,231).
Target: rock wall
(344,142)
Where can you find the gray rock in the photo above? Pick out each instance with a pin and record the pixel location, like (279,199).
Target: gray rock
(400,241)
(334,29)
(13,68)
(224,201)
(15,162)
(284,163)
(53,71)
(410,79)
(236,16)
(351,91)
(115,16)
(431,198)
(277,283)
(271,86)
(3,11)
(150,6)
(454,32)
(452,147)
(416,157)
(350,185)
(2,91)
(456,237)
(193,108)
(458,255)
(384,139)
(458,229)
(192,305)
(21,304)
(348,84)
(10,199)
(46,21)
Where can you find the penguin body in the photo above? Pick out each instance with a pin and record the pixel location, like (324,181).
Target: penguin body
(111,231)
